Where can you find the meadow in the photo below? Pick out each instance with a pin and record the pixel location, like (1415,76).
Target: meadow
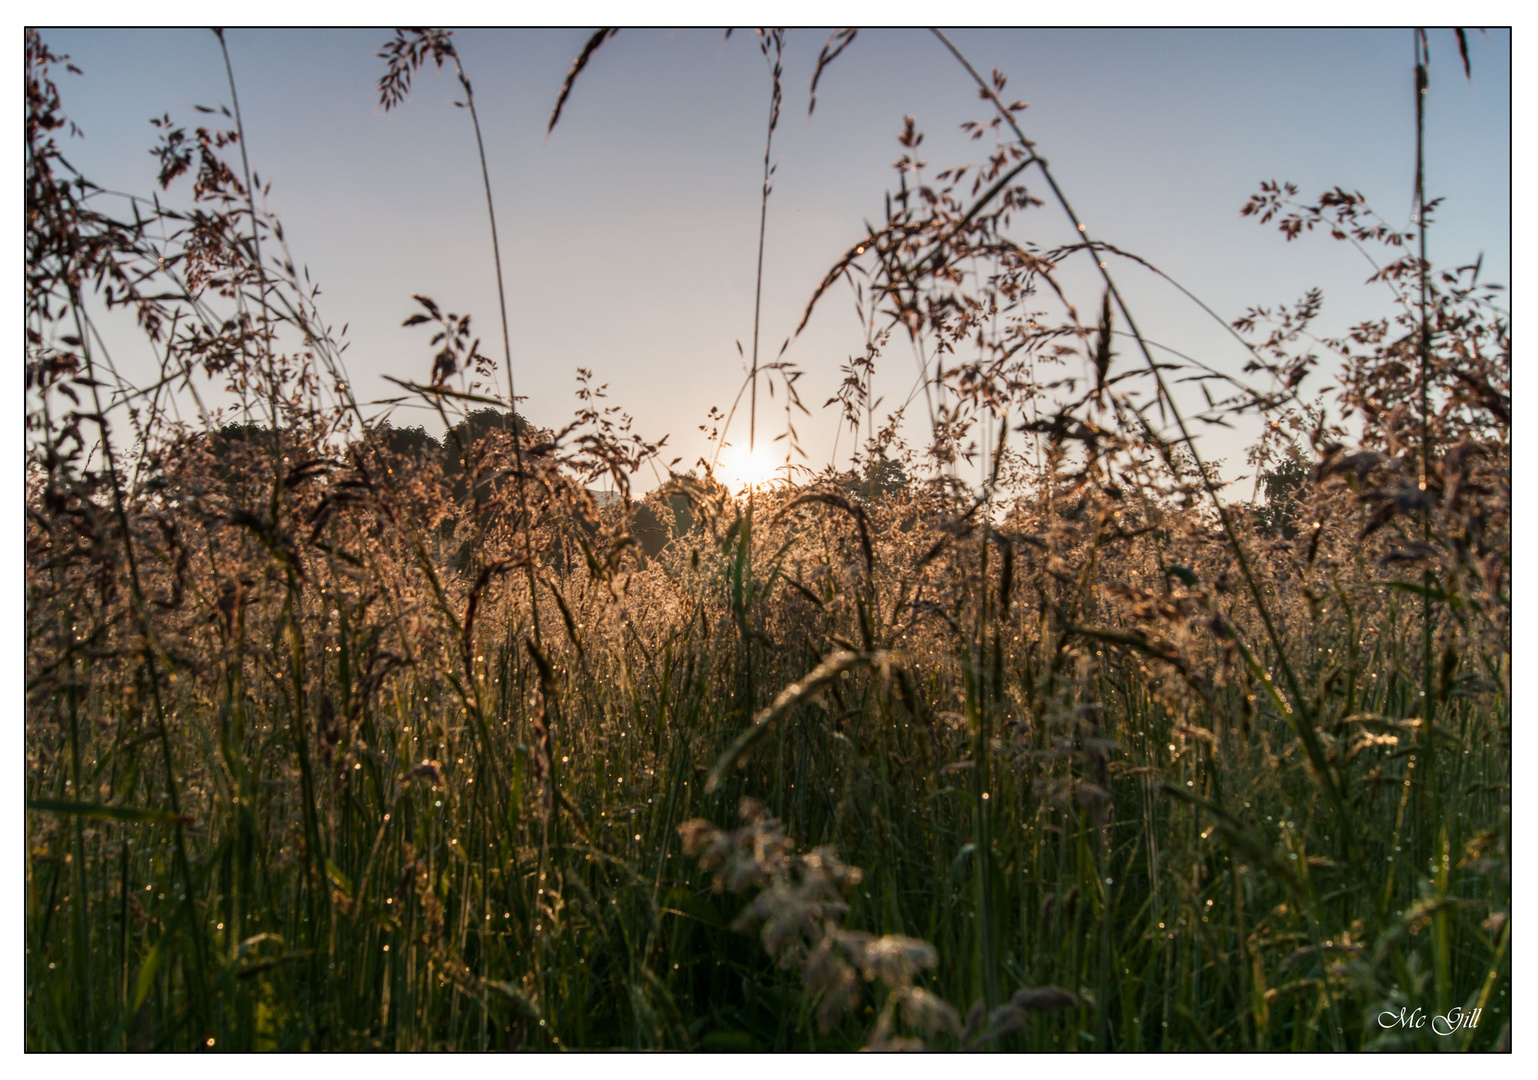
(342,735)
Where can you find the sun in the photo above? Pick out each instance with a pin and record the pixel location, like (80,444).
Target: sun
(739,470)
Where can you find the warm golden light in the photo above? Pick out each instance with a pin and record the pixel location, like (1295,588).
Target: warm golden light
(740,470)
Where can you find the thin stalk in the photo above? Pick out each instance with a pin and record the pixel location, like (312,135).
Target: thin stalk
(1427,709)
(261,276)
(777,36)
(507,354)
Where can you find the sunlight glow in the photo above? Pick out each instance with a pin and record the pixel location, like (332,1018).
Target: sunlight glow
(739,470)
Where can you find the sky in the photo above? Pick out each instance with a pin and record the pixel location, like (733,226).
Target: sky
(629,236)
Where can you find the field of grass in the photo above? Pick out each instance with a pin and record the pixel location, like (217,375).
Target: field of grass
(343,737)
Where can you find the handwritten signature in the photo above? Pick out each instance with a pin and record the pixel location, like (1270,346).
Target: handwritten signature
(1445,1024)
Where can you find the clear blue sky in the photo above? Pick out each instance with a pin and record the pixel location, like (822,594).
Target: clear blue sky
(629,237)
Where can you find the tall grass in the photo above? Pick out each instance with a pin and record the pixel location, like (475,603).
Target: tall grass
(1082,757)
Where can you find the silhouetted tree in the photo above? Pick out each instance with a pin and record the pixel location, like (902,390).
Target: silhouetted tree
(1283,487)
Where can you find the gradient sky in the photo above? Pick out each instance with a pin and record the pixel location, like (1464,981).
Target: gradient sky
(629,238)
